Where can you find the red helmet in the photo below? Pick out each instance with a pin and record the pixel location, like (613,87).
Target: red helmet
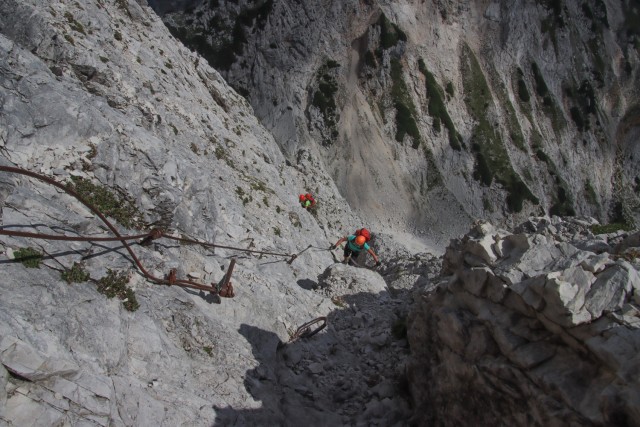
(360,240)
(301,198)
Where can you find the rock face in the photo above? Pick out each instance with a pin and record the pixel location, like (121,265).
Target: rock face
(428,112)
(527,329)
(98,96)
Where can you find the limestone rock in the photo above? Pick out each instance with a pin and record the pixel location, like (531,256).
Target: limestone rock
(553,341)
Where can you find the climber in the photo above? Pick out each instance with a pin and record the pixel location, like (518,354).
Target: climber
(307,201)
(355,244)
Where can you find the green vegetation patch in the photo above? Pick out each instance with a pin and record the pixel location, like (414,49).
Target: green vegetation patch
(29,257)
(610,228)
(437,109)
(523,91)
(75,274)
(324,100)
(583,102)
(590,193)
(492,160)
(73,24)
(513,124)
(549,105)
(390,33)
(114,284)
(107,202)
(405,110)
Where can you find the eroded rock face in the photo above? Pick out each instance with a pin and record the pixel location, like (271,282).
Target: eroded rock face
(527,329)
(449,109)
(101,91)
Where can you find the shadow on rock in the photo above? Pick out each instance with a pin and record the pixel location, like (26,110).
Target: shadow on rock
(351,373)
(307,284)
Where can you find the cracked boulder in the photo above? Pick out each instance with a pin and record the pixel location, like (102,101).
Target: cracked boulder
(527,329)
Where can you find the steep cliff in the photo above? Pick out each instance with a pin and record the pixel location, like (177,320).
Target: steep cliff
(425,112)
(100,98)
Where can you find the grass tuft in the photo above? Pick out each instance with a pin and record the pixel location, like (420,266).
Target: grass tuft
(29,257)
(75,274)
(114,284)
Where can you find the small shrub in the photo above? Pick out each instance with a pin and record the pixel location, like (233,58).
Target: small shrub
(29,257)
(75,25)
(390,33)
(107,202)
(93,151)
(194,148)
(208,350)
(541,86)
(75,274)
(114,284)
(449,89)
(70,39)
(122,5)
(523,92)
(117,35)
(276,231)
(220,152)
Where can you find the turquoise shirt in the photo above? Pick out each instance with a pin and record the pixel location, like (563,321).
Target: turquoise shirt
(352,245)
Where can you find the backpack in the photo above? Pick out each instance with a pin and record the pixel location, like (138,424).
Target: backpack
(310,198)
(364,233)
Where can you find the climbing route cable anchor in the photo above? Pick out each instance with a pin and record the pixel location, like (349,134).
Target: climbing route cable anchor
(305,330)
(294,256)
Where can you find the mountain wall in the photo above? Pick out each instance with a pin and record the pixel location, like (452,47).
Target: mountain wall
(99,97)
(428,113)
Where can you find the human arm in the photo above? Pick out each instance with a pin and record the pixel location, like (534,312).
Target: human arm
(375,257)
(342,239)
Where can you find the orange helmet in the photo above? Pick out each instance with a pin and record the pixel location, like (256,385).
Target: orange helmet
(360,240)
(301,198)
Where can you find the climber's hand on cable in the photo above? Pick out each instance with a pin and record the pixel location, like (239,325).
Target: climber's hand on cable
(378,263)
(332,247)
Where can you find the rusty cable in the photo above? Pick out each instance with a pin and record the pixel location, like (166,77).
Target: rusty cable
(183,283)
(71,238)
(213,245)
(147,237)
